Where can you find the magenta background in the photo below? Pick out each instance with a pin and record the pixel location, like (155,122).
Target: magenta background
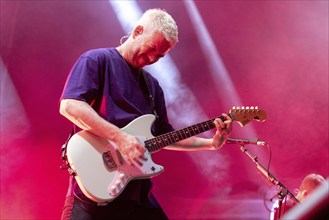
(276,53)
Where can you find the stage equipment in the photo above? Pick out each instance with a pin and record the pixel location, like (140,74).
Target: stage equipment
(284,192)
(245,141)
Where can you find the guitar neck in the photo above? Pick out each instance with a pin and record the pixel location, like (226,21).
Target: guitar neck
(164,140)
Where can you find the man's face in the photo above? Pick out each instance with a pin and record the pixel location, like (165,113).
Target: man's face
(148,47)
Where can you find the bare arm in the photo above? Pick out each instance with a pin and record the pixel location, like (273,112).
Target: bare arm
(85,117)
(196,143)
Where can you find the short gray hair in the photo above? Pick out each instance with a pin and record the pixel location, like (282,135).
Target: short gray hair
(160,20)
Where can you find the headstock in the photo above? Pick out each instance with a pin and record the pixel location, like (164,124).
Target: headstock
(243,115)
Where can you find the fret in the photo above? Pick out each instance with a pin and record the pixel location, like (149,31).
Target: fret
(182,133)
(176,137)
(149,145)
(195,129)
(159,142)
(153,144)
(171,138)
(187,132)
(190,131)
(201,128)
(166,139)
(210,124)
(179,136)
(162,141)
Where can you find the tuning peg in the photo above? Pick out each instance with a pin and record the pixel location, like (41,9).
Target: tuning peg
(236,108)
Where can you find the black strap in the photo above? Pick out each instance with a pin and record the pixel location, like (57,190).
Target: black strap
(150,98)
(65,164)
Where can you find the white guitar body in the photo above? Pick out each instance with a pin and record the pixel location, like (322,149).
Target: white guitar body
(101,172)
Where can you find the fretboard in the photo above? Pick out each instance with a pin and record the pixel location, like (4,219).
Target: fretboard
(164,140)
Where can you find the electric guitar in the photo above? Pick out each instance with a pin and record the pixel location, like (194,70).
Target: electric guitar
(102,173)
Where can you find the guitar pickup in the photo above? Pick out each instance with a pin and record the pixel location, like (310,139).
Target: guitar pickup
(108,160)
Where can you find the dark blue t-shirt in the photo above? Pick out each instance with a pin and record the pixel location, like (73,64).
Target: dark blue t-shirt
(103,79)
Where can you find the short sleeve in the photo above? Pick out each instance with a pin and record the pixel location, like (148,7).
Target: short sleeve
(84,81)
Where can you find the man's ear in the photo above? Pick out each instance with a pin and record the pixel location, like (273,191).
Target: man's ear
(305,193)
(138,31)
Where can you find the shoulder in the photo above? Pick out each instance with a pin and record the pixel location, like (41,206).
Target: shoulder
(100,54)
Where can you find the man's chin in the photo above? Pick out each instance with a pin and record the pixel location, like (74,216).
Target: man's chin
(140,65)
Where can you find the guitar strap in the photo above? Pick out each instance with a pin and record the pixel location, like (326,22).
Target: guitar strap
(147,91)
(66,165)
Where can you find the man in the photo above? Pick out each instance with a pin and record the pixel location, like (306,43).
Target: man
(106,89)
(310,183)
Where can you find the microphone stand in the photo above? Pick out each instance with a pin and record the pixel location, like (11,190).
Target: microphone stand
(283,190)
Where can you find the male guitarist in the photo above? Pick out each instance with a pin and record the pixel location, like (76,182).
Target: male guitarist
(107,89)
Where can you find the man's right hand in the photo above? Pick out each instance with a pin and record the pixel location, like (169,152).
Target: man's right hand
(130,148)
